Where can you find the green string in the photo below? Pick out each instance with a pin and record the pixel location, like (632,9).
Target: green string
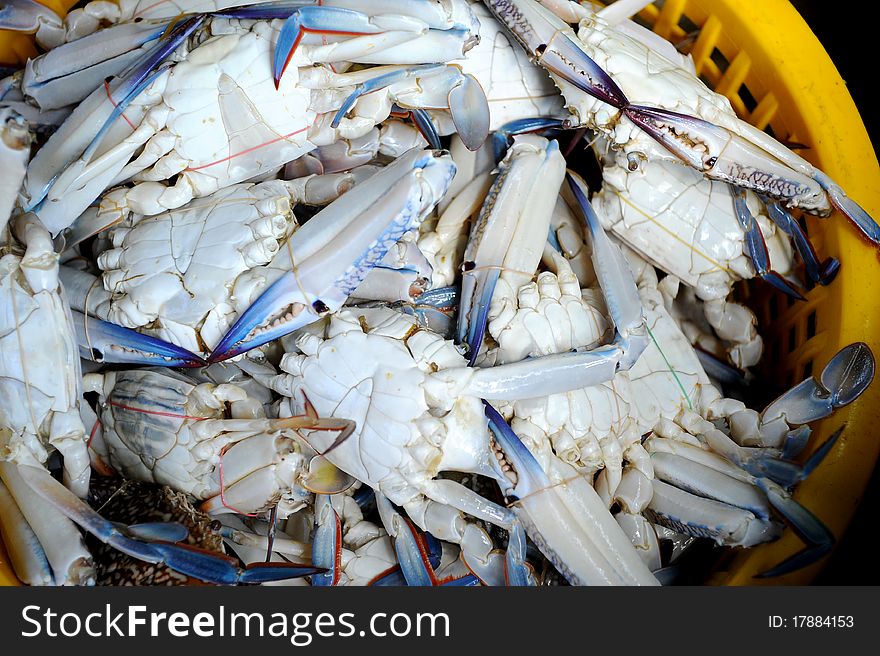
(671,370)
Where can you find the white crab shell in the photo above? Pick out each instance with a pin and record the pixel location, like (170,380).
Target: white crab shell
(172,275)
(685,225)
(39,369)
(378,374)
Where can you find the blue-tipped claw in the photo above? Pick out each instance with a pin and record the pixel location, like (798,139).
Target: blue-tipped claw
(131,83)
(615,278)
(530,477)
(809,528)
(517,571)
(318,20)
(472,324)
(190,561)
(758,248)
(422,120)
(218,569)
(105,342)
(842,381)
(236,341)
(821,273)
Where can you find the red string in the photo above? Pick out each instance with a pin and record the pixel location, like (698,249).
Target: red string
(92,434)
(248,150)
(155,412)
(115,104)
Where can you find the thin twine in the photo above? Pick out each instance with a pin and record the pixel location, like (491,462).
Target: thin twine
(671,370)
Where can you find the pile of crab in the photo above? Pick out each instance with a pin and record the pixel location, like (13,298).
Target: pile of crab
(316,291)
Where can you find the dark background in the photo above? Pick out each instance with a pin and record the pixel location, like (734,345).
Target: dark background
(847,30)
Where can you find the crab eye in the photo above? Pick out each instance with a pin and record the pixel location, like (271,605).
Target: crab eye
(320,307)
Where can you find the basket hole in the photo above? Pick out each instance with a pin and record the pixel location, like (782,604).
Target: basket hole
(773,308)
(791,301)
(792,339)
(789,380)
(687,24)
(803,221)
(811,325)
(808,369)
(720,60)
(747,98)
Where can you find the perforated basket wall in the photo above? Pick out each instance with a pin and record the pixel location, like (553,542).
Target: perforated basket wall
(762,56)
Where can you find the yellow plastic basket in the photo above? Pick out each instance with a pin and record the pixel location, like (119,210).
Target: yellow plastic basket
(764,57)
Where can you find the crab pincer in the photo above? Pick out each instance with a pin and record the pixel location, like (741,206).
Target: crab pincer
(333,252)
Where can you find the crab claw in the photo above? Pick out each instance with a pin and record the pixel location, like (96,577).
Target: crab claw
(327,542)
(418,553)
(552,43)
(727,157)
(810,528)
(422,120)
(566,519)
(60,165)
(316,20)
(197,563)
(758,248)
(335,250)
(841,382)
(105,342)
(31,18)
(161,531)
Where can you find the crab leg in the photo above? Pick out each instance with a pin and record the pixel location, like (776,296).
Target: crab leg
(65,550)
(822,273)
(358,229)
(67,74)
(26,554)
(464,97)
(203,565)
(419,554)
(710,497)
(758,248)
